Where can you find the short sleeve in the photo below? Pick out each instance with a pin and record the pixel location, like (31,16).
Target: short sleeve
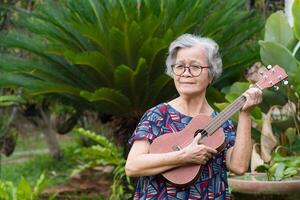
(229,132)
(147,128)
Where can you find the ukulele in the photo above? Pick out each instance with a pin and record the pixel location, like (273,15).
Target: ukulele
(209,128)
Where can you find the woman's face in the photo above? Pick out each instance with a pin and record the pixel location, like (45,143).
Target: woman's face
(187,84)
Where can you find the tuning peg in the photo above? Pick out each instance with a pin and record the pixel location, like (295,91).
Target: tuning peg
(276,88)
(269,67)
(261,73)
(285,82)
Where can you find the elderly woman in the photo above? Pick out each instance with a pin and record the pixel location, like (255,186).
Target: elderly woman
(194,63)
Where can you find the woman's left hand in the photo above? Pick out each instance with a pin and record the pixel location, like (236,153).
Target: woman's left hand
(254,97)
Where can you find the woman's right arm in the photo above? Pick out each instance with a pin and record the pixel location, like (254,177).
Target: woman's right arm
(141,163)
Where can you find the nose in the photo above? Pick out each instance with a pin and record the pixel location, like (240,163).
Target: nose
(186,72)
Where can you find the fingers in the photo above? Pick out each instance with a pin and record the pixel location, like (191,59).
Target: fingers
(205,158)
(253,94)
(211,150)
(198,153)
(253,97)
(204,161)
(197,138)
(208,150)
(206,155)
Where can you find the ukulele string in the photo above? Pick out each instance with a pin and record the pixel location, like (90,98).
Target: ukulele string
(219,119)
(222,119)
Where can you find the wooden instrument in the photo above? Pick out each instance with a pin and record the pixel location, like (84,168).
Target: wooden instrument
(209,128)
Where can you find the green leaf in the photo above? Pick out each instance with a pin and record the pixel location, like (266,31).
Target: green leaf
(262,168)
(11,99)
(20,40)
(158,88)
(38,26)
(109,100)
(3,191)
(45,71)
(214,95)
(274,53)
(279,171)
(237,89)
(52,13)
(100,139)
(39,186)
(124,82)
(37,46)
(35,86)
(221,106)
(291,134)
(95,60)
(290,171)
(278,30)
(133,39)
(296,15)
(24,190)
(271,98)
(141,81)
(295,146)
(256,113)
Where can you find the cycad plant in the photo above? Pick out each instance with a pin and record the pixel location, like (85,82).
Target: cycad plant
(108,56)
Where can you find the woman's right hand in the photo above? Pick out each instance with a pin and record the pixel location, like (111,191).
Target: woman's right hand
(198,153)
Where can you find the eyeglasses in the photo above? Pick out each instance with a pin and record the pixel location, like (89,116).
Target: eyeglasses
(194,69)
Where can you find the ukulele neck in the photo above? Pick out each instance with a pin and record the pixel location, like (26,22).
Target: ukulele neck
(226,114)
(269,78)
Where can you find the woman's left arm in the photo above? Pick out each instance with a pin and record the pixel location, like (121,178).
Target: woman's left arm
(238,156)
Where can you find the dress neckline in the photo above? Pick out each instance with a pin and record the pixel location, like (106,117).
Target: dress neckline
(213,113)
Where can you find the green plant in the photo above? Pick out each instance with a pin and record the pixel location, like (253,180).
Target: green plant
(22,191)
(108,56)
(281,166)
(104,152)
(56,171)
(281,45)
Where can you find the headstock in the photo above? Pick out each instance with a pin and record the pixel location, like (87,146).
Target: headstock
(271,77)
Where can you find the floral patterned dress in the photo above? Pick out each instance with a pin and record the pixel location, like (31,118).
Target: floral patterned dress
(212,182)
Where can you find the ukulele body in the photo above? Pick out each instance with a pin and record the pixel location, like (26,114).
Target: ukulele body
(186,175)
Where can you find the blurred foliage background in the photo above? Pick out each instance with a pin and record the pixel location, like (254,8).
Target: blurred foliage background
(100,64)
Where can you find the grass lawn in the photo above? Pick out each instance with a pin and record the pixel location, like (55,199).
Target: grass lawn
(31,160)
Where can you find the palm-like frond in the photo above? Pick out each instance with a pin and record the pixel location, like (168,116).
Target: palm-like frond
(112,53)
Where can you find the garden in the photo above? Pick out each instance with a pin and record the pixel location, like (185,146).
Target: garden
(77,76)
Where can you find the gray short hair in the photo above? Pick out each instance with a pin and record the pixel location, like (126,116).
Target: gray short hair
(189,40)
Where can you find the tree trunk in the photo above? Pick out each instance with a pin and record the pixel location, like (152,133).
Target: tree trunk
(50,135)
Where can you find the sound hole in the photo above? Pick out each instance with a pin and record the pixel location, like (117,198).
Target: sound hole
(202,132)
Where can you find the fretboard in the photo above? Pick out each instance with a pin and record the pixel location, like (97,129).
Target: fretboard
(222,117)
